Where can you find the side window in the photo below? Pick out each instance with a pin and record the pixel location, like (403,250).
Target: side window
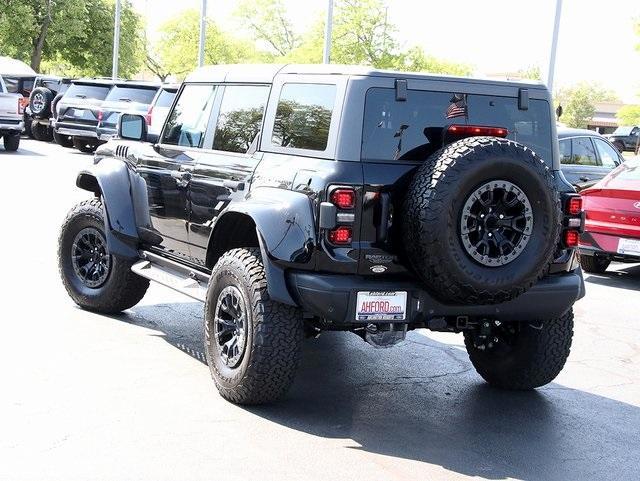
(608,155)
(583,152)
(187,122)
(303,116)
(240,118)
(565,152)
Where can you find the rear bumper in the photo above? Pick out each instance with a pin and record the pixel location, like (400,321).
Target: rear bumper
(605,246)
(75,130)
(333,297)
(11,126)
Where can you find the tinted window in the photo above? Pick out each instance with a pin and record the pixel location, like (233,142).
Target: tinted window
(240,117)
(303,116)
(565,151)
(608,155)
(165,99)
(131,94)
(583,152)
(415,128)
(98,92)
(187,122)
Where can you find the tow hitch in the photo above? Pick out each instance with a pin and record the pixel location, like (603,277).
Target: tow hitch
(386,335)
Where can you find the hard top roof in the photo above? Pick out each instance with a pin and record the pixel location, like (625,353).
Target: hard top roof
(265,73)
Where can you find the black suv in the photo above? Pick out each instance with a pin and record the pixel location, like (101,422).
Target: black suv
(47,91)
(77,111)
(299,199)
(626,138)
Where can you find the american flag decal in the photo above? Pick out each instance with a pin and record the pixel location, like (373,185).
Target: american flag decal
(458,107)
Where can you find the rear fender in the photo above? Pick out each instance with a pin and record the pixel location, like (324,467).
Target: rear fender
(285,226)
(118,186)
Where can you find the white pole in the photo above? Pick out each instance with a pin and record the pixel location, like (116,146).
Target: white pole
(116,42)
(326,57)
(554,46)
(203,32)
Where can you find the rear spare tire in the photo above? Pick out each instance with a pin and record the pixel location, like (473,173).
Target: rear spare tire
(40,102)
(481,221)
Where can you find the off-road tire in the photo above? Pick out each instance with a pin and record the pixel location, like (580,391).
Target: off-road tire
(41,132)
(11,142)
(47,96)
(433,208)
(274,333)
(121,290)
(63,140)
(28,122)
(593,264)
(538,356)
(84,146)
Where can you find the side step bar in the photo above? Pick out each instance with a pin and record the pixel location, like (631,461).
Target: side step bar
(169,273)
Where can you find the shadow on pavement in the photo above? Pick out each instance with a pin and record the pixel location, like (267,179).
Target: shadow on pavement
(423,401)
(626,278)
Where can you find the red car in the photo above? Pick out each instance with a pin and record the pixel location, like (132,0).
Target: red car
(612,229)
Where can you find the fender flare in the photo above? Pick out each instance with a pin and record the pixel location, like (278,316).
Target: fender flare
(111,179)
(270,209)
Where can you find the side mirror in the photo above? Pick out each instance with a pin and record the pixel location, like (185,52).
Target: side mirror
(132,127)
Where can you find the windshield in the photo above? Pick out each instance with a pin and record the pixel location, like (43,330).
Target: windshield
(413,129)
(141,95)
(623,131)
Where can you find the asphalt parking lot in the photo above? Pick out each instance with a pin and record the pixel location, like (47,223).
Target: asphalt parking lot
(93,397)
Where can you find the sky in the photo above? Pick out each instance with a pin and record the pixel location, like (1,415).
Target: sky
(596,41)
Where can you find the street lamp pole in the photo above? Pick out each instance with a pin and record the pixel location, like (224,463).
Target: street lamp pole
(326,57)
(116,42)
(203,32)
(554,46)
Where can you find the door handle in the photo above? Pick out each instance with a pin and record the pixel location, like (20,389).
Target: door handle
(182,178)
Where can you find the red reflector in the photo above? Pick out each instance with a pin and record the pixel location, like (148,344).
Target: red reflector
(477,130)
(574,205)
(343,198)
(100,115)
(571,238)
(340,235)
(148,116)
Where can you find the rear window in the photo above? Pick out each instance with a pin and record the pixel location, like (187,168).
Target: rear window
(411,130)
(98,92)
(132,94)
(165,99)
(19,85)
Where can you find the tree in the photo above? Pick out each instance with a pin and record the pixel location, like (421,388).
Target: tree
(531,72)
(70,35)
(629,115)
(416,60)
(578,102)
(178,46)
(266,21)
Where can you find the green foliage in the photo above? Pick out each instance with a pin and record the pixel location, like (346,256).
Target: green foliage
(266,22)
(416,60)
(78,31)
(301,126)
(178,45)
(532,72)
(578,102)
(629,115)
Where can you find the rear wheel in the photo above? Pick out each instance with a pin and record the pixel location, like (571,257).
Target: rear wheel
(252,343)
(95,279)
(28,122)
(11,142)
(521,356)
(593,264)
(42,132)
(63,140)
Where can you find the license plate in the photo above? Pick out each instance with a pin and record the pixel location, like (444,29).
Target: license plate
(629,246)
(381,306)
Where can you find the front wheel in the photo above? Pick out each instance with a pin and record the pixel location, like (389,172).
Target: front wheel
(252,343)
(521,356)
(95,279)
(11,142)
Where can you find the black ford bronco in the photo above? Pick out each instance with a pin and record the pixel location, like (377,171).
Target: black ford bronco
(298,199)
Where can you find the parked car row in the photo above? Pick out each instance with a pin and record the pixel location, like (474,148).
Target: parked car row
(11,121)
(87,114)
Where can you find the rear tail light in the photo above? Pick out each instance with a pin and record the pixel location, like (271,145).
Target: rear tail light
(343,198)
(571,238)
(474,130)
(148,116)
(100,115)
(574,205)
(340,235)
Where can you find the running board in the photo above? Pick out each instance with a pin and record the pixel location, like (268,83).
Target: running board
(171,274)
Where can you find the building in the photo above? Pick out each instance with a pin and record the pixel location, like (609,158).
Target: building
(604,119)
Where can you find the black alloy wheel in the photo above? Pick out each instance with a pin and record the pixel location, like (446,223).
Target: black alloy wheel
(230,326)
(90,259)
